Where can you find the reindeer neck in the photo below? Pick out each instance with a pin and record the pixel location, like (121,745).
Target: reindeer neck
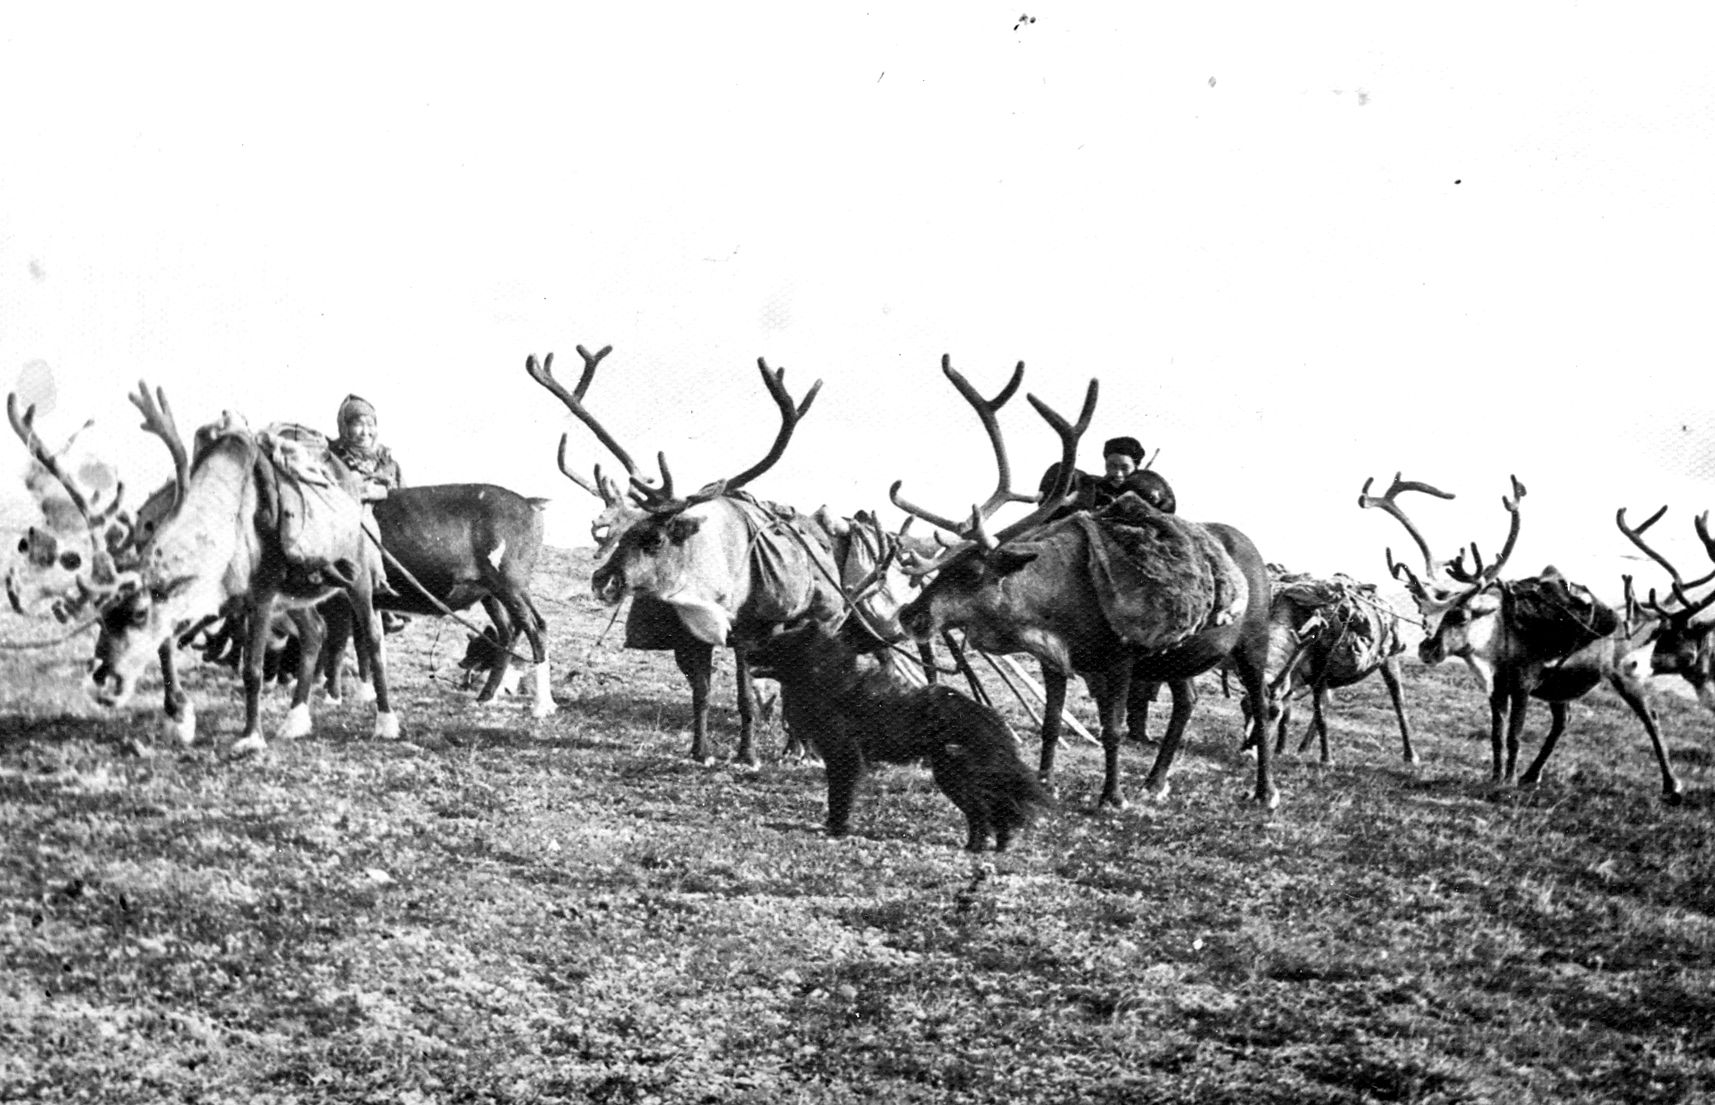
(207,533)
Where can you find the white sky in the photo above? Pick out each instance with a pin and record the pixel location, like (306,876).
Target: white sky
(1298,244)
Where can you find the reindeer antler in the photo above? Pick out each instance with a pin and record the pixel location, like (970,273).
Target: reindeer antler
(1679,587)
(1479,575)
(158,420)
(975,529)
(543,373)
(1389,503)
(790,413)
(24,425)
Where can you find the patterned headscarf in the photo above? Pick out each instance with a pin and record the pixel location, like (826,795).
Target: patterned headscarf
(353,406)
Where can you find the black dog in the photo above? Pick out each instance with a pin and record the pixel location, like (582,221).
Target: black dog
(855,717)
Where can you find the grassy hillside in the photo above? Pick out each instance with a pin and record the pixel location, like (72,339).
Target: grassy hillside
(501,909)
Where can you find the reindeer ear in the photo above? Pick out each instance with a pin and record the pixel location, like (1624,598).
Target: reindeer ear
(1006,561)
(680,529)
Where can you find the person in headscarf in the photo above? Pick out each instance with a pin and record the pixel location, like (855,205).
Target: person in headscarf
(359,446)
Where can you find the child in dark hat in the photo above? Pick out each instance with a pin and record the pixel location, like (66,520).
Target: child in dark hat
(1121,461)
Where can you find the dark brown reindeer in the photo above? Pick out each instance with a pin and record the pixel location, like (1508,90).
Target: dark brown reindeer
(1325,634)
(222,543)
(1198,597)
(1535,637)
(456,545)
(1684,647)
(712,569)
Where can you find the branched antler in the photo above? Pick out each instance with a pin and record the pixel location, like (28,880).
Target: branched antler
(1679,587)
(775,381)
(1389,503)
(158,420)
(543,373)
(974,530)
(1478,575)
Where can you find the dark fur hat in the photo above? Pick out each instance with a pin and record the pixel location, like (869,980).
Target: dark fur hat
(1125,447)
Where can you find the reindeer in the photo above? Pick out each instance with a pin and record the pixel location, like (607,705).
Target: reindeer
(710,569)
(453,546)
(1534,637)
(221,543)
(53,571)
(1325,634)
(1035,588)
(1683,647)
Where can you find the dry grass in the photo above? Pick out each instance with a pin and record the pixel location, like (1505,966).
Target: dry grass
(498,909)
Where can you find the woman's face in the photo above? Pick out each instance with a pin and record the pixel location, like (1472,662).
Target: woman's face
(361,431)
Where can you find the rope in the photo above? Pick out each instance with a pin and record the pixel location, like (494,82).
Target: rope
(50,642)
(447,611)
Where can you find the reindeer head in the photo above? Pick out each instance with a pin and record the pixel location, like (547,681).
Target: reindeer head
(1457,604)
(969,573)
(77,554)
(1683,646)
(646,536)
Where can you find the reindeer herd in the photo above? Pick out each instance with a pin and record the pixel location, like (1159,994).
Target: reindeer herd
(1127,597)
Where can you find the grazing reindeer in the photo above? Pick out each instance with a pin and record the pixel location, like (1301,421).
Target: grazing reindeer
(1535,637)
(222,542)
(53,568)
(712,569)
(1128,594)
(857,717)
(1684,648)
(1325,634)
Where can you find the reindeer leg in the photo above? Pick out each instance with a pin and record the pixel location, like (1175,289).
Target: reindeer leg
(926,654)
(1283,723)
(1184,697)
(1557,712)
(1498,701)
(372,642)
(1634,697)
(179,720)
(746,707)
(697,661)
(311,632)
(504,619)
(530,621)
(1319,720)
(257,616)
(1053,706)
(1390,676)
(1519,710)
(337,619)
(1142,693)
(842,758)
(1113,689)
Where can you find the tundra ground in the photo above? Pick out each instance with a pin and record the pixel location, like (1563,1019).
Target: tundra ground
(501,909)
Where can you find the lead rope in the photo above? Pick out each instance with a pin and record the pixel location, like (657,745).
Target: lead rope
(50,642)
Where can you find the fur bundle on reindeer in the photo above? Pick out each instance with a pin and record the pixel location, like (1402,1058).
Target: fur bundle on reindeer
(855,717)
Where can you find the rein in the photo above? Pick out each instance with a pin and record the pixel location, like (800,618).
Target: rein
(446,611)
(50,642)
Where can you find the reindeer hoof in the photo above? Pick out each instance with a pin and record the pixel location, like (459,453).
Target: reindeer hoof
(366,693)
(184,729)
(1111,802)
(386,725)
(1269,800)
(1673,797)
(297,723)
(545,708)
(248,746)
